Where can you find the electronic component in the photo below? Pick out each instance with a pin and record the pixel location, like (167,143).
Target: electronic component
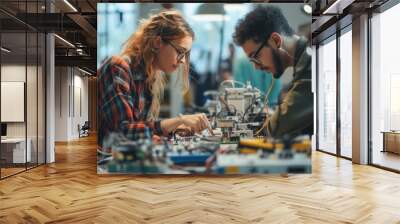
(187,158)
(255,163)
(236,115)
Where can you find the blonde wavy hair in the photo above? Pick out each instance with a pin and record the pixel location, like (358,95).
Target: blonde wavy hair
(169,25)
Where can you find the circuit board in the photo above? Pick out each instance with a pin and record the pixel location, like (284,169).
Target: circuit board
(205,154)
(237,145)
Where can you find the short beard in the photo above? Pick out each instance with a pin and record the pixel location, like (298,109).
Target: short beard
(278,64)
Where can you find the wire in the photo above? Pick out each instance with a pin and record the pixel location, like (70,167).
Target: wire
(248,107)
(104,161)
(262,127)
(266,106)
(232,83)
(225,103)
(269,92)
(104,153)
(253,101)
(226,109)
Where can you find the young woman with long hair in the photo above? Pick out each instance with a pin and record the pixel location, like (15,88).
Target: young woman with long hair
(131,85)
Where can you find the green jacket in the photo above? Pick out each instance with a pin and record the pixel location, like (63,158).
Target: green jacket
(295,114)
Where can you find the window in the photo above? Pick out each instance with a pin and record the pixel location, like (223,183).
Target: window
(116,22)
(385,89)
(327,96)
(23,77)
(346,93)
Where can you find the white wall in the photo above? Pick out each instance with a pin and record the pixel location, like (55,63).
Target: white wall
(33,126)
(16,73)
(12,73)
(61,103)
(70,83)
(79,117)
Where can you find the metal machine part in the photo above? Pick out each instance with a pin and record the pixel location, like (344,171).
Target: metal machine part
(237,111)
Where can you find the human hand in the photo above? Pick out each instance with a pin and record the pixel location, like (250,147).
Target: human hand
(184,130)
(196,122)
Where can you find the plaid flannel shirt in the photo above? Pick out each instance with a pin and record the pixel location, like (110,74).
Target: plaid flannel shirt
(124,99)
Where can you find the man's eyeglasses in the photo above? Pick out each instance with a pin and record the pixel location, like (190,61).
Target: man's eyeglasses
(181,53)
(254,57)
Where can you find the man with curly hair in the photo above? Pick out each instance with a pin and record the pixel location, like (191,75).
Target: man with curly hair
(271,45)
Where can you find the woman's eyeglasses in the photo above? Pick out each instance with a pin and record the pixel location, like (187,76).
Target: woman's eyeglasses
(181,53)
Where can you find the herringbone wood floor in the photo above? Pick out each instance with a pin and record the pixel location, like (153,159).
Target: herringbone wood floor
(70,191)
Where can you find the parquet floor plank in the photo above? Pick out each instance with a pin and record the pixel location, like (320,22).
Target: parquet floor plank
(70,191)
